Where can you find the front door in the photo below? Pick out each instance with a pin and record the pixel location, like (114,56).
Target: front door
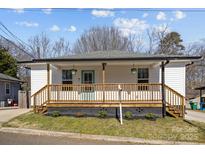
(88,77)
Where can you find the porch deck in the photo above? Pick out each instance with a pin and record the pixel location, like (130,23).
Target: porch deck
(107,95)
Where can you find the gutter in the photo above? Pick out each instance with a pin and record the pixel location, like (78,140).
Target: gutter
(111,59)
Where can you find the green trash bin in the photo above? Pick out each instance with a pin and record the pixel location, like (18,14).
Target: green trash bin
(193,105)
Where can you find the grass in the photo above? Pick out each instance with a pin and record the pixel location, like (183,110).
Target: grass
(163,128)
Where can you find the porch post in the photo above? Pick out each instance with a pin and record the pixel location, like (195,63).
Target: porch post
(48,82)
(103,80)
(163,90)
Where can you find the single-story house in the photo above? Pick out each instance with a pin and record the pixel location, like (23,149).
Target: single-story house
(9,87)
(102,80)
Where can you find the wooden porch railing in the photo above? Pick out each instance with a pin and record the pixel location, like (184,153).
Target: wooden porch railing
(109,93)
(174,100)
(98,93)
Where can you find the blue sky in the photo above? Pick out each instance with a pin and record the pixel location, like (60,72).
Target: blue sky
(70,23)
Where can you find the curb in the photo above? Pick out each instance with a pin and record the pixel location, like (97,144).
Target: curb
(92,137)
(189,122)
(9,108)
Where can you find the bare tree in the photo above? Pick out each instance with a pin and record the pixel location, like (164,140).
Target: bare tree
(43,47)
(40,45)
(155,35)
(195,74)
(104,39)
(60,48)
(152,40)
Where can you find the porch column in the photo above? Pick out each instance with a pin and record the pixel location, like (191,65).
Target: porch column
(48,82)
(103,80)
(163,90)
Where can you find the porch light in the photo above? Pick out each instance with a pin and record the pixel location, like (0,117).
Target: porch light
(133,70)
(73,71)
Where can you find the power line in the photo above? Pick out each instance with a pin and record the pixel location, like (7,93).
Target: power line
(16,46)
(5,32)
(17,38)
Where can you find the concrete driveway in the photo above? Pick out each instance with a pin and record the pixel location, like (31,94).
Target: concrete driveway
(195,115)
(8,114)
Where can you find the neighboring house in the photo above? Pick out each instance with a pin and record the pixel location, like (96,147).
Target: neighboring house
(198,99)
(101,80)
(9,87)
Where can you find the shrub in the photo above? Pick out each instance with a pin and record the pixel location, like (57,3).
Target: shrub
(55,114)
(151,116)
(79,114)
(128,115)
(102,113)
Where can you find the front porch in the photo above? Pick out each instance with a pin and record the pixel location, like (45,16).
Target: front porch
(109,96)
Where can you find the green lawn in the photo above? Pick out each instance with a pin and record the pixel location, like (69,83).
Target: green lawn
(163,128)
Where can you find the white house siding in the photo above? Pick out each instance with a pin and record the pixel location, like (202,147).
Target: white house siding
(175,76)
(38,77)
(55,75)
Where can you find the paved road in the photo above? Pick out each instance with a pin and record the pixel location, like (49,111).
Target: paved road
(8,114)
(194,115)
(22,139)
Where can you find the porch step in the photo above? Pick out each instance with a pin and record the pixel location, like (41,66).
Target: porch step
(40,109)
(173,112)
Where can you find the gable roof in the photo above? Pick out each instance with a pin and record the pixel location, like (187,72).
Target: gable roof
(114,55)
(8,78)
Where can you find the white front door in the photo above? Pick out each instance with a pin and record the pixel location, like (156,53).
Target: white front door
(88,92)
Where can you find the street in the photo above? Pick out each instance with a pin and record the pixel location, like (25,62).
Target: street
(194,115)
(22,139)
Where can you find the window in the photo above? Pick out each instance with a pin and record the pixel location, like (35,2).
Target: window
(7,88)
(67,77)
(143,75)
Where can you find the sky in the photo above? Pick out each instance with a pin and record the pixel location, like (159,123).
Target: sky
(71,23)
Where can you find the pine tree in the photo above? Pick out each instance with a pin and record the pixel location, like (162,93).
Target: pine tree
(8,64)
(171,44)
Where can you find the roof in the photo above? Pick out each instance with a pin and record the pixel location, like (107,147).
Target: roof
(114,55)
(9,78)
(200,88)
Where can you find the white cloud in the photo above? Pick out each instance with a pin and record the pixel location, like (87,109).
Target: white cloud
(145,15)
(130,26)
(47,11)
(55,28)
(103,13)
(161,16)
(27,24)
(179,14)
(72,28)
(19,10)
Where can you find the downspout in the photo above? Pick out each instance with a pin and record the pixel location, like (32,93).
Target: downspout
(163,87)
(189,64)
